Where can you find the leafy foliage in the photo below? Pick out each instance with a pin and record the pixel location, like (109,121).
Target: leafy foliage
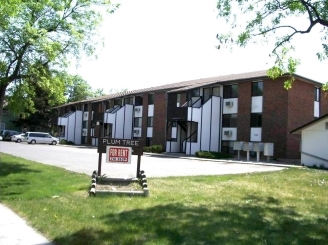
(153,149)
(212,155)
(44,35)
(278,19)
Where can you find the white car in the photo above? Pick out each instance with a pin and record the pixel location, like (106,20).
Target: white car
(0,138)
(17,138)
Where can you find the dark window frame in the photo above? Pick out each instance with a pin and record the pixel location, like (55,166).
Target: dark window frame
(229,120)
(230,91)
(151,98)
(138,122)
(150,122)
(256,120)
(257,88)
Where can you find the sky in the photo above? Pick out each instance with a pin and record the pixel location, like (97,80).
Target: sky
(154,42)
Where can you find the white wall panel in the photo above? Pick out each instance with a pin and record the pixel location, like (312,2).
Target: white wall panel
(257,104)
(138,111)
(174,132)
(78,127)
(150,110)
(215,123)
(62,121)
(128,121)
(315,142)
(149,132)
(205,126)
(230,109)
(316,109)
(232,137)
(256,134)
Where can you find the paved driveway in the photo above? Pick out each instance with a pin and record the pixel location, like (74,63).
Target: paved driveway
(85,160)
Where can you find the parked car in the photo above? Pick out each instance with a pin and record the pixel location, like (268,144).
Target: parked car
(7,134)
(40,138)
(0,138)
(17,138)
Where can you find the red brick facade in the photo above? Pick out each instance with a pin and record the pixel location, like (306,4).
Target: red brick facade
(244,111)
(159,129)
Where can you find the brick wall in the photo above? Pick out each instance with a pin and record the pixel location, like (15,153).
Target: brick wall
(159,128)
(300,112)
(244,111)
(275,115)
(144,117)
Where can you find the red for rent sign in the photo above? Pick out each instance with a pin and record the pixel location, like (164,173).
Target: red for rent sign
(118,154)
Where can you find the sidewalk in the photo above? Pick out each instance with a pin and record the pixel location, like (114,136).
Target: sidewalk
(15,231)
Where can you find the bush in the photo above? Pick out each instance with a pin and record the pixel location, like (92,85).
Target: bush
(65,142)
(212,155)
(153,149)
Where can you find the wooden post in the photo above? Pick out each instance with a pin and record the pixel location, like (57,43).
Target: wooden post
(99,164)
(138,166)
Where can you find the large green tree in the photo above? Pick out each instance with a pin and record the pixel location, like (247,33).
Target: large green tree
(260,21)
(38,35)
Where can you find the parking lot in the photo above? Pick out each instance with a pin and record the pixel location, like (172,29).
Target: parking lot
(85,160)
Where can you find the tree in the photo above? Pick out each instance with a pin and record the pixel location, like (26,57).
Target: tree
(275,18)
(79,89)
(44,35)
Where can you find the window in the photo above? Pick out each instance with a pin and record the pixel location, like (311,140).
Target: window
(85,124)
(230,91)
(216,91)
(118,102)
(108,104)
(138,121)
(227,147)
(150,122)
(207,93)
(193,93)
(229,121)
(174,124)
(138,100)
(85,107)
(316,94)
(257,88)
(178,100)
(150,99)
(256,120)
(128,101)
(149,141)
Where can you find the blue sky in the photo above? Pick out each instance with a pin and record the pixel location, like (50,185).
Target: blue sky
(154,42)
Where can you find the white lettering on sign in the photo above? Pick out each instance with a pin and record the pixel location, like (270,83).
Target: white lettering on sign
(120,142)
(118,154)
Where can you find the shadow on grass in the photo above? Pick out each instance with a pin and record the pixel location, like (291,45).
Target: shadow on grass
(250,223)
(7,168)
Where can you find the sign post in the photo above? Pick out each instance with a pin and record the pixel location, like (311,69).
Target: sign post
(119,151)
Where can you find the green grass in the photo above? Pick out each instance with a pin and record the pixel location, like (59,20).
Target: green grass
(284,207)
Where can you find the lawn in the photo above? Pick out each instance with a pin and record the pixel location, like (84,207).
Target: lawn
(283,207)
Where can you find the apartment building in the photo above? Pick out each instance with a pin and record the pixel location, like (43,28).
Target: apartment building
(205,114)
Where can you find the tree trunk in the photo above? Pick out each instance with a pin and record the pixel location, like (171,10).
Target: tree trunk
(3,89)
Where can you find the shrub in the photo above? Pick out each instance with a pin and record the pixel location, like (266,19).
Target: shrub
(65,142)
(212,155)
(153,149)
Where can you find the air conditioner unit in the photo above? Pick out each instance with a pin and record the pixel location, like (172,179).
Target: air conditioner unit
(85,132)
(85,115)
(136,131)
(229,103)
(137,109)
(227,133)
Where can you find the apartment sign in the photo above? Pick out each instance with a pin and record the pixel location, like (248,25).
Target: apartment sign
(135,145)
(118,154)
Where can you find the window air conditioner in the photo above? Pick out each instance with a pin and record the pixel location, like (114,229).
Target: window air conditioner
(137,109)
(85,132)
(136,131)
(227,133)
(229,103)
